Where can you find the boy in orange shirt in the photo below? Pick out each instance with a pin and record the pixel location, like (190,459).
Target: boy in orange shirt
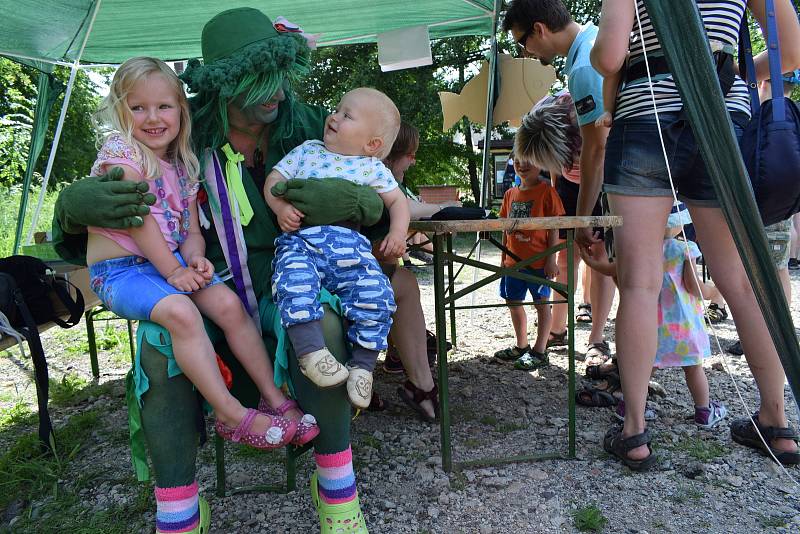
(533,198)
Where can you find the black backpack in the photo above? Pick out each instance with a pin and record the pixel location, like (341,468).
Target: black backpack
(26,285)
(37,283)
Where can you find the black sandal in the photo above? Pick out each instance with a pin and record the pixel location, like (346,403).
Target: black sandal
(599,353)
(584,314)
(557,340)
(743,433)
(615,445)
(413,396)
(603,370)
(595,398)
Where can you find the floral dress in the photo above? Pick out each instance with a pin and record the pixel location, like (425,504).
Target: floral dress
(682,337)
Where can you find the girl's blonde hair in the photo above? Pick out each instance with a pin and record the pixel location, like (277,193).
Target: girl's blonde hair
(549,136)
(115,117)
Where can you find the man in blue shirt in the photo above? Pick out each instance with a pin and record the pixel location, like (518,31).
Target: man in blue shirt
(544,29)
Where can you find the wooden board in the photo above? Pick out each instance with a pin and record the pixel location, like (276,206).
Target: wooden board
(508,225)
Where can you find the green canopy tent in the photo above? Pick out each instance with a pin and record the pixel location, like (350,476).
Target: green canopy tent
(84,33)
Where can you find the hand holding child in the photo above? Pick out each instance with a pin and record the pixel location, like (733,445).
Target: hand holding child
(605,120)
(186,279)
(551,266)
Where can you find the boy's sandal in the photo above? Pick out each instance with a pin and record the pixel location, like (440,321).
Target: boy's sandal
(531,360)
(279,434)
(584,314)
(414,397)
(344,518)
(511,353)
(557,340)
(595,398)
(743,432)
(716,313)
(616,445)
(307,428)
(597,353)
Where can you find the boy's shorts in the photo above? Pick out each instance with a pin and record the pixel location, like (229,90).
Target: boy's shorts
(515,289)
(779,237)
(131,286)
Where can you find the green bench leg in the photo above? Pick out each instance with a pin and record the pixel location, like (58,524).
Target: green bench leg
(89,315)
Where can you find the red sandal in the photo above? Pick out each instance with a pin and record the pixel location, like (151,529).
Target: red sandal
(279,434)
(307,428)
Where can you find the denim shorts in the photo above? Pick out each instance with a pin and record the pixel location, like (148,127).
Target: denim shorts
(515,289)
(131,286)
(634,161)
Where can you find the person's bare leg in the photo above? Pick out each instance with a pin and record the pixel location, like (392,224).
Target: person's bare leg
(408,333)
(639,247)
(731,279)
(196,357)
(586,281)
(520,321)
(602,289)
(786,284)
(559,324)
(697,382)
(545,319)
(794,248)
(224,308)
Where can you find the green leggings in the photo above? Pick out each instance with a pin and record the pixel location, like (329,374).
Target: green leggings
(170,409)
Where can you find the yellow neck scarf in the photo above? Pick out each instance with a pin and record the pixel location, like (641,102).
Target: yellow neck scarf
(233,180)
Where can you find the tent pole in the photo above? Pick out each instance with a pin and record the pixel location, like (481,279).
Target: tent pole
(705,108)
(57,137)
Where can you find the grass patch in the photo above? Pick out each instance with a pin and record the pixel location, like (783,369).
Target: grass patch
(17,414)
(507,428)
(589,519)
(370,441)
(458,481)
(701,450)
(462,414)
(772,521)
(488,420)
(73,389)
(472,443)
(27,473)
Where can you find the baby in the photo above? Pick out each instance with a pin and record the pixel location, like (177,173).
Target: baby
(358,135)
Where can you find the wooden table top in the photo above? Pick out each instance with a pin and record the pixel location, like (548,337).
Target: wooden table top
(511,224)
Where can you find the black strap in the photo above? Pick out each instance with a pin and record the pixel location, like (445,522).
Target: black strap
(40,374)
(74,307)
(658,66)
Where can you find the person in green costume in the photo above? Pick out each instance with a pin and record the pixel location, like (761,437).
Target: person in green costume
(245,119)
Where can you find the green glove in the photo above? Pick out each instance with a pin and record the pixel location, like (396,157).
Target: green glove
(104,201)
(330,200)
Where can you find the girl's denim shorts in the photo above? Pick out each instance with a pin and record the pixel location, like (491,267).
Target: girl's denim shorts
(635,166)
(131,286)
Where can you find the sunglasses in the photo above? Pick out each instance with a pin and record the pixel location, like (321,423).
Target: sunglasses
(524,39)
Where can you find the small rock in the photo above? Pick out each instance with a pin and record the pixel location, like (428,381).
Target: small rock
(433,512)
(717,366)
(444,498)
(389,505)
(496,482)
(537,474)
(735,481)
(378,435)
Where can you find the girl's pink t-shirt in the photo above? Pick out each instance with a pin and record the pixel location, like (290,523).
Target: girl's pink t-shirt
(167,209)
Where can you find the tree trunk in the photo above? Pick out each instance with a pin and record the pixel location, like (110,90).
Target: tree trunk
(472,168)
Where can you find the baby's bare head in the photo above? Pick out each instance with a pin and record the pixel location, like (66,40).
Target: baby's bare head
(383,115)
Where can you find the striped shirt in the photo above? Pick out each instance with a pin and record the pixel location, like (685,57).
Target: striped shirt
(721,19)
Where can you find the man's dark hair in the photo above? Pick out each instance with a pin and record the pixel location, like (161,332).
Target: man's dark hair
(523,14)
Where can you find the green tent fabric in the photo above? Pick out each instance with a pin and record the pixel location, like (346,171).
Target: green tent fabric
(53,30)
(681,35)
(48,92)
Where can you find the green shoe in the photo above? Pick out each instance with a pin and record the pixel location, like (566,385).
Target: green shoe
(531,360)
(343,518)
(511,353)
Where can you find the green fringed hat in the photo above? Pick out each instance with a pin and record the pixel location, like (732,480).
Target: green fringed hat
(244,41)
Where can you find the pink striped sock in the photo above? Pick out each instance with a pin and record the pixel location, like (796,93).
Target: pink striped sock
(177,509)
(337,481)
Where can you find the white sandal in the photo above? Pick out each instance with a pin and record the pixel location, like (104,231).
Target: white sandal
(359,387)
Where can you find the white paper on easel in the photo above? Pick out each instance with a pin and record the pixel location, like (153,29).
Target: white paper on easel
(404,48)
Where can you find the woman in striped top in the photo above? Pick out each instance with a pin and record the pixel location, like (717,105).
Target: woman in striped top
(638,185)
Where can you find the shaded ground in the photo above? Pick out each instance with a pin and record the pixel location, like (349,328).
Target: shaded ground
(705,482)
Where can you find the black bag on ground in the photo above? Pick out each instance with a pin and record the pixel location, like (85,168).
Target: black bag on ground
(37,284)
(13,305)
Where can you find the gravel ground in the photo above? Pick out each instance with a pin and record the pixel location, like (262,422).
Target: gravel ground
(704,482)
